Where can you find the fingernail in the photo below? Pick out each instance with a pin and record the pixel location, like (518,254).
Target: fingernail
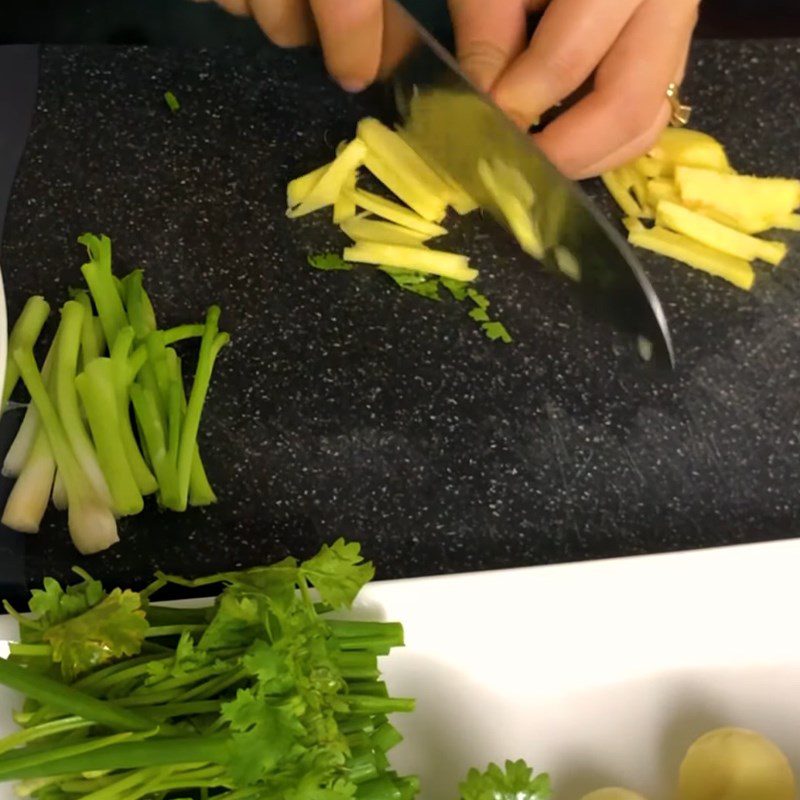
(519,120)
(353,85)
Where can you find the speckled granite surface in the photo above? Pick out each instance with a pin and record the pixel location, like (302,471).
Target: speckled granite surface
(346,407)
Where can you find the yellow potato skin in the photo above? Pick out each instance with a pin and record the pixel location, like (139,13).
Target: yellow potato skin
(735,764)
(613,793)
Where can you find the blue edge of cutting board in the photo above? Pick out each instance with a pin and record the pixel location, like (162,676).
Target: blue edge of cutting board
(19,67)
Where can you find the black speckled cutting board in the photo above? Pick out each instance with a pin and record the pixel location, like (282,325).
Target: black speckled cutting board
(346,407)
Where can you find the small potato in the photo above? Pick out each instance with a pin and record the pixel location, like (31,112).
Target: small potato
(735,764)
(613,793)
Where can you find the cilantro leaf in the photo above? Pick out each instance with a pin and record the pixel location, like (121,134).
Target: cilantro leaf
(268,664)
(278,581)
(479,314)
(412,281)
(264,734)
(338,572)
(237,621)
(405,277)
(517,782)
(429,289)
(113,628)
(329,261)
(456,288)
(480,300)
(314,784)
(496,330)
(52,604)
(172,101)
(420,283)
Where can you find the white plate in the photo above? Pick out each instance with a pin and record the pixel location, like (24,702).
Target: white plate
(600,673)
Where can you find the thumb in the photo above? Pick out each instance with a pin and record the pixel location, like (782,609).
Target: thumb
(488,36)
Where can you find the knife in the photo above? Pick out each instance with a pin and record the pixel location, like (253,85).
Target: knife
(460,130)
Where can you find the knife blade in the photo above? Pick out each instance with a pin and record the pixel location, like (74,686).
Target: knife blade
(461,130)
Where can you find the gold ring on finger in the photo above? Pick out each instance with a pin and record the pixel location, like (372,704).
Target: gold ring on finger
(680,113)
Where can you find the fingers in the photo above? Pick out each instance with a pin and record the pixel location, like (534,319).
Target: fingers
(488,36)
(627,109)
(351,32)
(238,7)
(399,37)
(287,23)
(570,40)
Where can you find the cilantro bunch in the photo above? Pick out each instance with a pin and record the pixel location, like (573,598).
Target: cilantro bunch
(516,782)
(261,694)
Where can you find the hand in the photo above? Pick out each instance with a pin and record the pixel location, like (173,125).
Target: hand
(350,32)
(634,49)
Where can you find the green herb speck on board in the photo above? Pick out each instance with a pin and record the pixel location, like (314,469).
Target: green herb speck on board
(172,102)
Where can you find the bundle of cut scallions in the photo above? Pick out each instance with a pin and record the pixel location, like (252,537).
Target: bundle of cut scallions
(109,420)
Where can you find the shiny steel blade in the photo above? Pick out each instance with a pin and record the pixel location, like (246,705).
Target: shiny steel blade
(460,129)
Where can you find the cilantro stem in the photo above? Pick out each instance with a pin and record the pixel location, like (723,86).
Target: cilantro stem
(386,737)
(195,676)
(344,629)
(138,305)
(210,345)
(174,630)
(137,360)
(148,416)
(67,398)
(378,645)
(43,730)
(157,359)
(353,723)
(148,379)
(30,650)
(24,334)
(81,785)
(122,379)
(146,697)
(33,757)
(91,523)
(17,454)
(121,787)
(372,688)
(357,665)
(169,710)
(109,675)
(70,700)
(99,278)
(181,332)
(361,766)
(378,705)
(241,794)
(100,401)
(173,615)
(91,343)
(176,402)
(100,755)
(200,491)
(214,686)
(380,788)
